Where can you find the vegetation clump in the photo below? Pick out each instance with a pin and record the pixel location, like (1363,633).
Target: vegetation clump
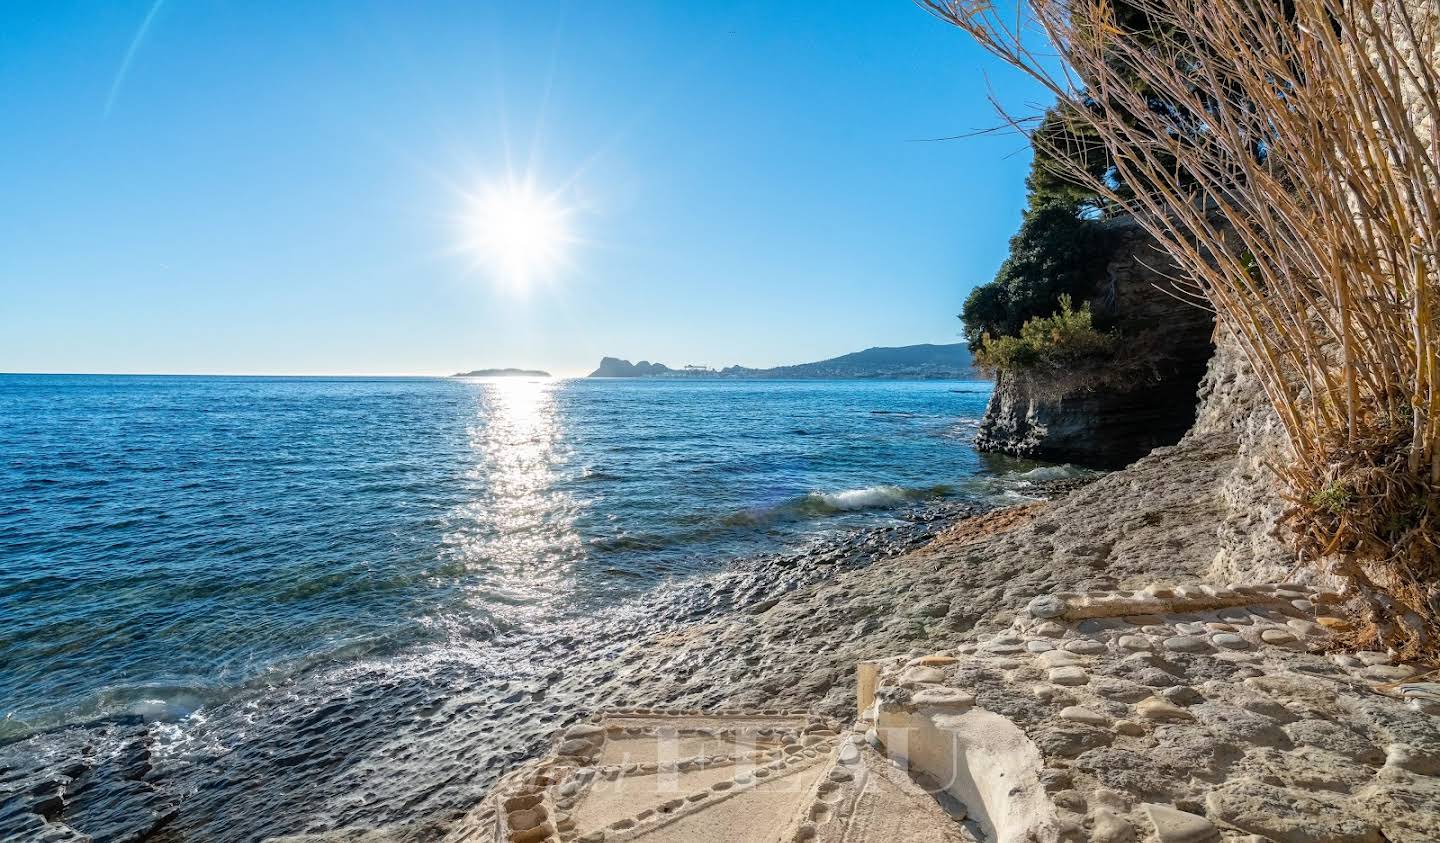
(1055,254)
(1307,128)
(1065,354)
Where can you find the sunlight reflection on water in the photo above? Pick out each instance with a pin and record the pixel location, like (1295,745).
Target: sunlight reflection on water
(518,540)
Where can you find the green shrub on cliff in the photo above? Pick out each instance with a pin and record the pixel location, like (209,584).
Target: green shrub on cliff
(1065,354)
(1057,252)
(1063,341)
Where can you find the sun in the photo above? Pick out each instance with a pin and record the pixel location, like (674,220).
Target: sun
(519,233)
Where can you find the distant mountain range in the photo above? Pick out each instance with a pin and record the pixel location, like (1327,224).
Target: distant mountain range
(503,373)
(909,361)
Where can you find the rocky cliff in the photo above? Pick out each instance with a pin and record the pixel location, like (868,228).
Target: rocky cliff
(614,367)
(1110,427)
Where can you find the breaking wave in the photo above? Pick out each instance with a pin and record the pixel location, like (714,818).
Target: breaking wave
(821,504)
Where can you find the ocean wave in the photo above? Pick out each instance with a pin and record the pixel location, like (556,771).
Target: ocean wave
(1047,473)
(821,504)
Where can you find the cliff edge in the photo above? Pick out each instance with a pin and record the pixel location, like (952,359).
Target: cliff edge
(1168,344)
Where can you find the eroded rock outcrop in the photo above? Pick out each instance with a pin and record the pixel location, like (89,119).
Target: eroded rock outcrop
(1114,425)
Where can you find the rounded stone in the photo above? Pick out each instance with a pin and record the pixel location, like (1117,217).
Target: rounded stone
(1068,675)
(1058,658)
(576,747)
(943,698)
(1229,641)
(1161,711)
(1181,695)
(1187,644)
(1134,642)
(1079,714)
(1277,636)
(922,676)
(1039,646)
(1085,647)
(1046,606)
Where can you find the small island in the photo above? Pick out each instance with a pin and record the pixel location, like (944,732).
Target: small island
(502,373)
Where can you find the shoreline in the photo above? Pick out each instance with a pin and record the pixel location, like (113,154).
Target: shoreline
(335,730)
(1071,670)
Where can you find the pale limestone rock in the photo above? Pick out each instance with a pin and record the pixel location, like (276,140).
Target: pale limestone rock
(922,676)
(1288,816)
(943,698)
(1085,647)
(1405,757)
(932,660)
(1059,658)
(1175,826)
(1069,675)
(1084,715)
(1047,606)
(1134,642)
(1050,629)
(1277,637)
(1161,711)
(1229,641)
(1187,644)
(1389,672)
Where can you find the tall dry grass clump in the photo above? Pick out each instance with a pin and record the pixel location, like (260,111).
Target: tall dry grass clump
(1285,153)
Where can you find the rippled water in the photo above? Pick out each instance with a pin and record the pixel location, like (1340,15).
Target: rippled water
(166,542)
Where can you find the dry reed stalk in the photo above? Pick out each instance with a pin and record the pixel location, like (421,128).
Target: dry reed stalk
(1286,155)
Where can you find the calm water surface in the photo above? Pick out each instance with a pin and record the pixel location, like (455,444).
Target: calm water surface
(168,541)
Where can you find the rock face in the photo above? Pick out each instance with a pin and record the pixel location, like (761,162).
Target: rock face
(614,367)
(1098,430)
(1252,542)
(1111,428)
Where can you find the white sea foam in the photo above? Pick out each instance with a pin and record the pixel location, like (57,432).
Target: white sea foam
(1046,473)
(871,497)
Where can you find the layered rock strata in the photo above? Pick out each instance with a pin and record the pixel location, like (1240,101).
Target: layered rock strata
(1117,424)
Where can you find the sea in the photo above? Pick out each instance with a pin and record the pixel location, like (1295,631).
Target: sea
(181,554)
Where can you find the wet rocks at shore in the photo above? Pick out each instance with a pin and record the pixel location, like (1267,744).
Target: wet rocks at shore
(372,745)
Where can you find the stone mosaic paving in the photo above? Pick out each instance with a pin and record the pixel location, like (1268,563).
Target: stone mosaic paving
(1193,714)
(1172,714)
(756,777)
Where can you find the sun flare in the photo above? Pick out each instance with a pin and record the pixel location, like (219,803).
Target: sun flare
(517,232)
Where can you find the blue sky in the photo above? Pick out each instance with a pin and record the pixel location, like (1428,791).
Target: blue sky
(282,187)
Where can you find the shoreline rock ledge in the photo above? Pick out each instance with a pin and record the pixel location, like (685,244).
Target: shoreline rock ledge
(1123,664)
(1079,721)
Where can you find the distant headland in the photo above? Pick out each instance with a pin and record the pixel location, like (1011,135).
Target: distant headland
(928,362)
(502,373)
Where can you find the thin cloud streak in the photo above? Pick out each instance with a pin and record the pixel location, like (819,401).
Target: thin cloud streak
(130,55)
